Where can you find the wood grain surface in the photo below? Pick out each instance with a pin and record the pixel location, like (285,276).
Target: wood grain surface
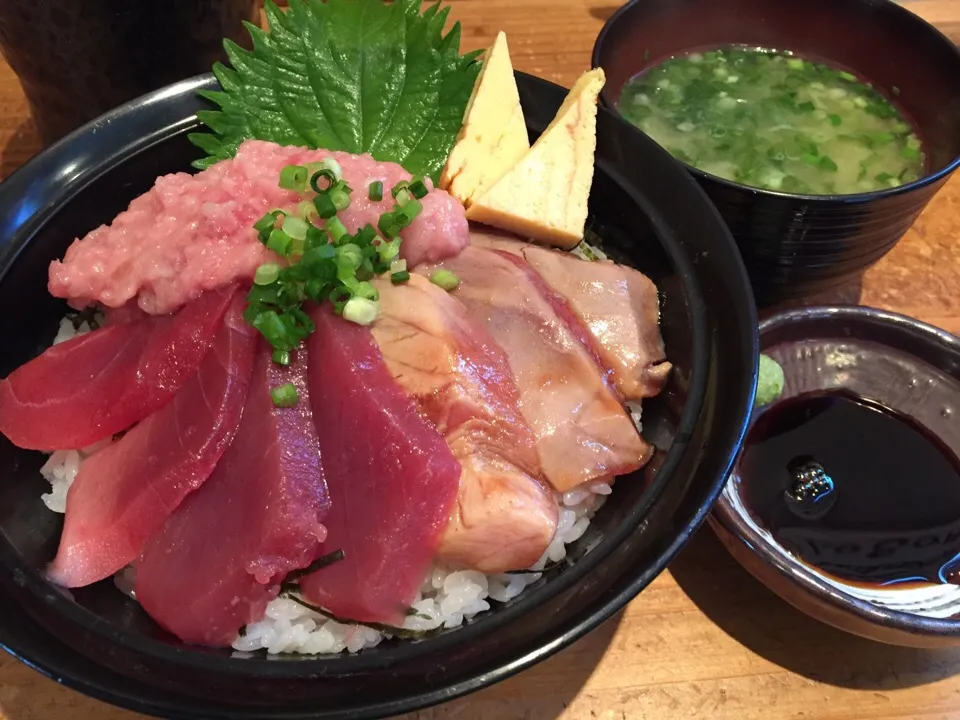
(704,640)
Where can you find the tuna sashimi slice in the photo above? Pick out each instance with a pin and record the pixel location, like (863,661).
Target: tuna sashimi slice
(618,307)
(583,432)
(392,479)
(505,516)
(124,493)
(220,557)
(95,385)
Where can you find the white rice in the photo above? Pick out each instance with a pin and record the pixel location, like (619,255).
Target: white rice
(62,466)
(447,599)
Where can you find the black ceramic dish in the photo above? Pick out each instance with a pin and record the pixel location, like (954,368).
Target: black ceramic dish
(908,366)
(794,245)
(648,211)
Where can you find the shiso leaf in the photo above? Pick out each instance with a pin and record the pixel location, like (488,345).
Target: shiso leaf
(362,76)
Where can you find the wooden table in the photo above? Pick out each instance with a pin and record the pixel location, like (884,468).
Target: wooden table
(704,640)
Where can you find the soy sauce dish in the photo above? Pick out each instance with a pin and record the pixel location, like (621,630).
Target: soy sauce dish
(818,149)
(231,628)
(845,499)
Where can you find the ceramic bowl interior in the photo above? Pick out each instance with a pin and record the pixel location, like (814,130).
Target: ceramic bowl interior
(793,244)
(904,365)
(649,214)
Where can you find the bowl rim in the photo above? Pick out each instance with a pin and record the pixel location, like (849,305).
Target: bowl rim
(126,123)
(903,14)
(792,570)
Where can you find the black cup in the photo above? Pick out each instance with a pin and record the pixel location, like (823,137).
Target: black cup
(76,59)
(795,245)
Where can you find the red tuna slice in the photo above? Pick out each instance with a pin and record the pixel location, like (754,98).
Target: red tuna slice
(124,493)
(93,386)
(504,517)
(392,479)
(220,557)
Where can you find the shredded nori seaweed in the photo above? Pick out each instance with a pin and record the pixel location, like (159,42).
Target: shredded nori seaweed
(386,629)
(292,581)
(546,568)
(88,315)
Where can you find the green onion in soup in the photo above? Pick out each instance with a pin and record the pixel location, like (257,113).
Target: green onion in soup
(772,120)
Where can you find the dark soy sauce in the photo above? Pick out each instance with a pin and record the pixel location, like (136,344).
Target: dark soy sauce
(855,489)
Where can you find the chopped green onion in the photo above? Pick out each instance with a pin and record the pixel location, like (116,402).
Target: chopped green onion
(335,228)
(408,212)
(366,236)
(388,225)
(315,238)
(361,310)
(418,189)
(849,77)
(376,191)
(306,211)
(314,167)
(390,250)
(295,227)
(279,242)
(324,206)
(267,222)
(398,265)
(367,291)
(403,197)
(827,163)
(333,166)
(266,274)
(325,174)
(340,198)
(272,328)
(399,277)
(285,396)
(339,298)
(325,263)
(835,119)
(293,177)
(403,184)
(445,279)
(316,289)
(349,256)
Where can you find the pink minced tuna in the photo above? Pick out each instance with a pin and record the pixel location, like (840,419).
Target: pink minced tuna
(192,233)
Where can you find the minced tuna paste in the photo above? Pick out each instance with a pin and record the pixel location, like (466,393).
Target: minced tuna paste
(191,233)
